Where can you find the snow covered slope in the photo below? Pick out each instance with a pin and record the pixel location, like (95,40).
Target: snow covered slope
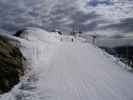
(64,70)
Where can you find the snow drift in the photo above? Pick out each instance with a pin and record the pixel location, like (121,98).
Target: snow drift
(65,70)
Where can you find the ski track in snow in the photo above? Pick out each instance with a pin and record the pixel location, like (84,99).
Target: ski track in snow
(64,70)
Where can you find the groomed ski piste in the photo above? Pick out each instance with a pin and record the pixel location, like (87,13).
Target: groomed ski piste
(61,69)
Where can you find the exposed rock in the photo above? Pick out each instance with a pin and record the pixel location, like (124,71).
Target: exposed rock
(124,53)
(11,65)
(19,32)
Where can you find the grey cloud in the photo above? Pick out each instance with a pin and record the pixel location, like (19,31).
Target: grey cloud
(20,13)
(125,25)
(16,14)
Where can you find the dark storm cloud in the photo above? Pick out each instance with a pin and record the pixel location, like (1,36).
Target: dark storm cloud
(61,9)
(80,17)
(91,26)
(73,16)
(76,18)
(17,14)
(63,15)
(85,27)
(125,25)
(97,2)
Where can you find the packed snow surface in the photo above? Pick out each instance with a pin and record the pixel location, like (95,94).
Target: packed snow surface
(61,69)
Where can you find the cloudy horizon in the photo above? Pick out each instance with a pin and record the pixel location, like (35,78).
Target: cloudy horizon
(68,15)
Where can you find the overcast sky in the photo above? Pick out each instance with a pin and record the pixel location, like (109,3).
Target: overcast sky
(104,16)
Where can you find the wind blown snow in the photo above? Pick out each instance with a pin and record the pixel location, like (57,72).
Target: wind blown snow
(64,70)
